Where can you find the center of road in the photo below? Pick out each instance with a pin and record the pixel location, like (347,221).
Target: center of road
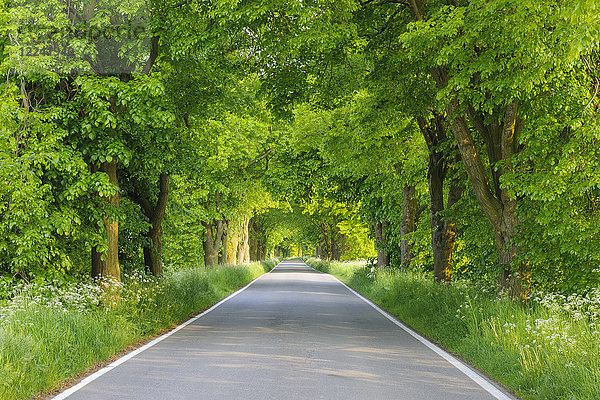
(294,333)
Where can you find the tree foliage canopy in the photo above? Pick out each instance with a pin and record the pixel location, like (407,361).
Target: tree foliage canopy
(459,137)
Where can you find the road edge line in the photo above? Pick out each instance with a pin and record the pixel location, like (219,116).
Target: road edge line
(461,366)
(88,379)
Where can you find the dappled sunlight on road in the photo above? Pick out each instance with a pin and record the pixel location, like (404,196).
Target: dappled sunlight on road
(298,334)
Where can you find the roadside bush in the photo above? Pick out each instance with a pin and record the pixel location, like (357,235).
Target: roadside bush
(546,349)
(50,331)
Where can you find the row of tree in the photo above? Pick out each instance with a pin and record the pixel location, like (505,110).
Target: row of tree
(131,136)
(106,133)
(460,135)
(483,112)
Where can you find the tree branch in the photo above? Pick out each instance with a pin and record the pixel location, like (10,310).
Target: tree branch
(509,130)
(161,204)
(491,205)
(153,55)
(140,199)
(256,160)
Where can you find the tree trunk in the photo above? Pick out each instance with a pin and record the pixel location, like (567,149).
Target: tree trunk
(409,223)
(501,142)
(336,248)
(210,254)
(243,256)
(257,239)
(335,240)
(498,205)
(155,214)
(223,255)
(253,239)
(383,258)
(436,174)
(232,246)
(212,241)
(510,282)
(153,252)
(107,264)
(443,232)
(326,248)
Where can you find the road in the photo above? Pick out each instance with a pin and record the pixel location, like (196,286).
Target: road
(294,333)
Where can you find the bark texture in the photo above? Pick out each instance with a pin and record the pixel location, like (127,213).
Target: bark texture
(443,231)
(232,246)
(498,205)
(500,135)
(153,252)
(409,222)
(258,239)
(213,233)
(223,255)
(106,263)
(253,239)
(243,253)
(155,214)
(380,228)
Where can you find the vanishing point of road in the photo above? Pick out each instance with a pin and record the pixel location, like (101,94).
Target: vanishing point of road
(294,333)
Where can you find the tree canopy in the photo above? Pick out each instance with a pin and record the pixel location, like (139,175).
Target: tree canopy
(453,136)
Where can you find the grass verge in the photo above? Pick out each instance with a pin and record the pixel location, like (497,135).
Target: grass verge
(49,332)
(548,349)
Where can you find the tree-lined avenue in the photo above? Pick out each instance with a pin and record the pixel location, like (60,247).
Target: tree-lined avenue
(294,333)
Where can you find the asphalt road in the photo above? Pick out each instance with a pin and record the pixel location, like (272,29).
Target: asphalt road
(292,334)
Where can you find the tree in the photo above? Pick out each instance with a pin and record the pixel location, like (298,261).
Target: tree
(81,40)
(502,55)
(45,191)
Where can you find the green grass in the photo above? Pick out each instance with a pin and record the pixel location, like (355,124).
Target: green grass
(49,333)
(549,349)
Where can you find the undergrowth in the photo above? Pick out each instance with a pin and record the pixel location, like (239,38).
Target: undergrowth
(547,349)
(50,331)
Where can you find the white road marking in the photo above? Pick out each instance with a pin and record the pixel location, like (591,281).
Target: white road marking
(477,378)
(159,339)
(465,369)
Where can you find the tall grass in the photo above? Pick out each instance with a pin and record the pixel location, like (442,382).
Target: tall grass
(548,349)
(50,332)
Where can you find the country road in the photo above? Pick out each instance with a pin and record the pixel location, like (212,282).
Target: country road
(292,334)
